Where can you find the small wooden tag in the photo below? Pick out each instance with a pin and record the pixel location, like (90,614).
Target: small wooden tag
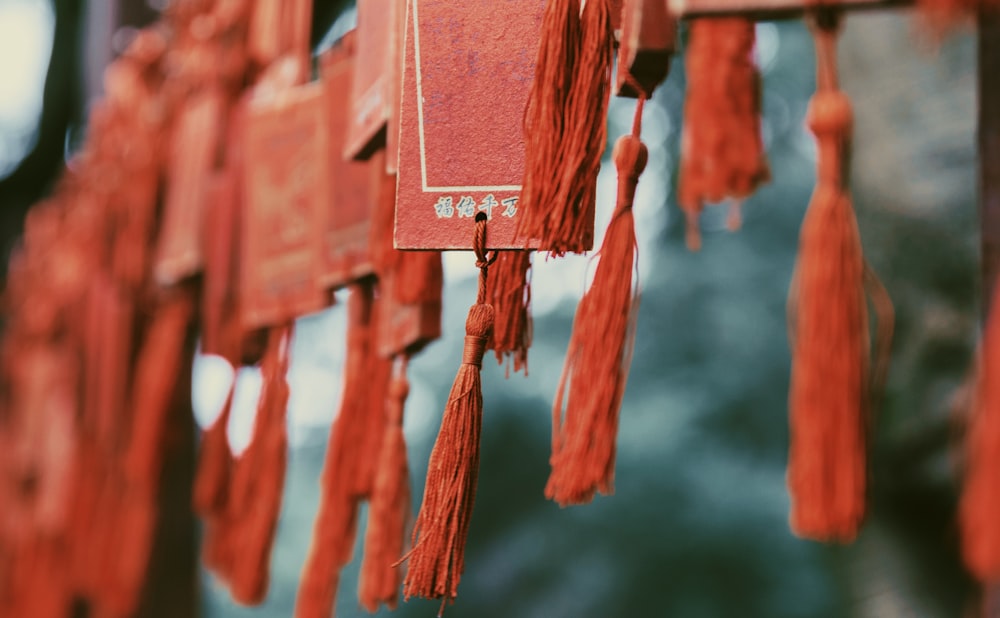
(264,40)
(219,307)
(297,27)
(277,28)
(345,257)
(286,180)
(467,73)
(370,88)
(648,39)
(221,321)
(194,147)
(404,328)
(397,18)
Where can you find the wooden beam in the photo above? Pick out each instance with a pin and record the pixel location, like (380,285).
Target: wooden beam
(768,9)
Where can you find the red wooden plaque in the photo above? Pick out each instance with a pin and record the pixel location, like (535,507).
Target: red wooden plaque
(468,68)
(194,146)
(346,257)
(648,39)
(218,294)
(370,89)
(404,327)
(395,86)
(286,183)
(297,27)
(264,36)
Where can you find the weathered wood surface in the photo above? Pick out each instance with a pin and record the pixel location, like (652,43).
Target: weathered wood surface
(768,9)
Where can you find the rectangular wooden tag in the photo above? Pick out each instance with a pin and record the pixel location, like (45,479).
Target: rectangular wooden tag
(404,327)
(395,86)
(370,88)
(286,180)
(346,257)
(468,69)
(219,304)
(648,39)
(194,147)
(264,35)
(296,28)
(279,28)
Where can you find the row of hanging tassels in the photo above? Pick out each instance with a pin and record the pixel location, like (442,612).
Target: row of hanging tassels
(96,352)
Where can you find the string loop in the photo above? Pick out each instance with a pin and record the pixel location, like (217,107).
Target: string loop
(484,258)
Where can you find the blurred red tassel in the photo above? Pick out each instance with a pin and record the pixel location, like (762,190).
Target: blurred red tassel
(376,382)
(157,374)
(259,478)
(827,471)
(343,477)
(389,511)
(722,153)
(129,499)
(215,461)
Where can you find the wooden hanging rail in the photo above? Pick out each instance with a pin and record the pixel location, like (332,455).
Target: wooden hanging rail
(769,9)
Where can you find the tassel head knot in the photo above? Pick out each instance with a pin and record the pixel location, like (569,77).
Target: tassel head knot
(480,321)
(630,156)
(829,113)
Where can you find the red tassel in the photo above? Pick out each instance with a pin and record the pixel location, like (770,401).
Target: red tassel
(827,468)
(131,499)
(369,446)
(722,154)
(509,291)
(157,374)
(565,125)
(389,511)
(37,587)
(215,547)
(130,538)
(108,344)
(981,489)
(212,483)
(259,477)
(600,350)
(437,559)
(85,525)
(336,522)
(215,462)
